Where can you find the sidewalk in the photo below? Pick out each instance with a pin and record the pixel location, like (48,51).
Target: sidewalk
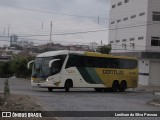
(155,90)
(148,88)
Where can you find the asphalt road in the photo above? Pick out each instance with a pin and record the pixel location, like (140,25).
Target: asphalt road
(85,99)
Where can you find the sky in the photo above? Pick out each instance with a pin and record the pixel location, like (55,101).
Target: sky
(73,21)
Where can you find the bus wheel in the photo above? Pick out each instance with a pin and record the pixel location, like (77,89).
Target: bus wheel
(123,86)
(68,84)
(98,89)
(50,89)
(115,86)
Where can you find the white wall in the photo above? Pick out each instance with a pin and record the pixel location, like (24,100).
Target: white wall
(131,28)
(144,65)
(154,28)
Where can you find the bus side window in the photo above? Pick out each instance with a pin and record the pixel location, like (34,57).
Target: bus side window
(74,61)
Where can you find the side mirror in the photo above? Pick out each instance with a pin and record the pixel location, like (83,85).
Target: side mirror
(51,62)
(29,63)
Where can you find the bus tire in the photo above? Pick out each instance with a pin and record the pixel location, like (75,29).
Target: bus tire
(123,86)
(68,84)
(115,86)
(50,89)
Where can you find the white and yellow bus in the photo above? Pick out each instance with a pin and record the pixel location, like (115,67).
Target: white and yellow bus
(77,69)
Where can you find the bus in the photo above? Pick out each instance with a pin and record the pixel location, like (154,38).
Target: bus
(78,69)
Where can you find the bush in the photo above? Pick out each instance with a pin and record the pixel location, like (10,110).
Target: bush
(17,67)
(106,49)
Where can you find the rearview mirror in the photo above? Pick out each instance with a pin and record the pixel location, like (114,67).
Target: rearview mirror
(29,63)
(50,62)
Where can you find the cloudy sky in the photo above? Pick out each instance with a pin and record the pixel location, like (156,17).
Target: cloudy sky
(74,21)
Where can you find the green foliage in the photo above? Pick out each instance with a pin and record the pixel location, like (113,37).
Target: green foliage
(17,66)
(5,69)
(106,49)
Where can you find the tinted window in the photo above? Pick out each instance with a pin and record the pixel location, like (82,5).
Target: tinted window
(126,63)
(99,62)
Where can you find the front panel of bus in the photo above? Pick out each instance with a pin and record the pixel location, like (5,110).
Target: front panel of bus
(41,72)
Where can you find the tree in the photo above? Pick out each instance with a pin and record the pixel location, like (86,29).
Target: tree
(106,49)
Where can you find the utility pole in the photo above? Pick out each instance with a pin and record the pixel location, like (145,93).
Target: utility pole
(4,31)
(42,26)
(8,29)
(116,34)
(98,19)
(101,43)
(50,32)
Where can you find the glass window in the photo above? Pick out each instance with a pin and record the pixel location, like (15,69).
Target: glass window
(113,6)
(155,41)
(133,16)
(126,1)
(111,41)
(119,20)
(99,62)
(156,16)
(126,18)
(112,22)
(124,40)
(127,63)
(141,14)
(131,39)
(140,38)
(120,3)
(117,41)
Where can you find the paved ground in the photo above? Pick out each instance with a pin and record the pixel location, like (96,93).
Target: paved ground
(87,99)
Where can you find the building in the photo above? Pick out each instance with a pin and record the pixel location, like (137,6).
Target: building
(13,40)
(25,43)
(93,46)
(135,30)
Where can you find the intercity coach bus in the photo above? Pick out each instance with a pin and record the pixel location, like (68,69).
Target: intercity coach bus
(79,69)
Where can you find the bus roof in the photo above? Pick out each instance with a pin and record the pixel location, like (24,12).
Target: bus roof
(59,52)
(66,52)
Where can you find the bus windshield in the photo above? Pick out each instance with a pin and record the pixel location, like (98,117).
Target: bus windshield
(41,67)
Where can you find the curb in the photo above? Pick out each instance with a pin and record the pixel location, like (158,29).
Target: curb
(154,104)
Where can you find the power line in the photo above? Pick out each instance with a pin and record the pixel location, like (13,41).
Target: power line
(43,11)
(92,31)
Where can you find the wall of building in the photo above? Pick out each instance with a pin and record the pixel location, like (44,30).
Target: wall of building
(130,28)
(134,19)
(144,66)
(153,29)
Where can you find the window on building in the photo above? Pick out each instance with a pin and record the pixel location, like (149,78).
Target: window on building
(126,18)
(140,38)
(117,41)
(113,6)
(118,20)
(124,40)
(111,41)
(120,3)
(112,22)
(155,41)
(126,1)
(156,16)
(142,13)
(132,45)
(131,39)
(133,16)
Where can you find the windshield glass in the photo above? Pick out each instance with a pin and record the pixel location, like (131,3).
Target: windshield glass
(41,67)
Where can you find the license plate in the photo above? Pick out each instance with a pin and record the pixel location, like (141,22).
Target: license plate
(38,84)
